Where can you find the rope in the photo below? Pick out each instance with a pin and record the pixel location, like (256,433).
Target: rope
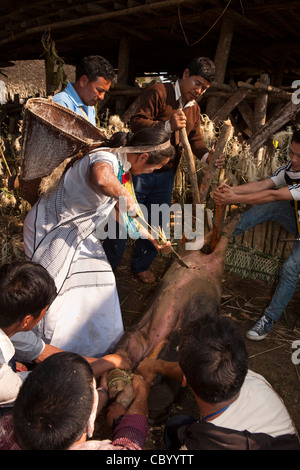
(196,42)
(125,376)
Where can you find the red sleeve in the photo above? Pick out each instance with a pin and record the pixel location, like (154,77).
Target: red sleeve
(131,432)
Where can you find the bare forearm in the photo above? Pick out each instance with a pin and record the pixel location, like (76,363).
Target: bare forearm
(105,181)
(252,187)
(140,404)
(105,363)
(48,350)
(262,197)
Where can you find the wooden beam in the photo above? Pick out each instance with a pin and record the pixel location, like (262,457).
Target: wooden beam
(146,8)
(277,121)
(235,99)
(244,109)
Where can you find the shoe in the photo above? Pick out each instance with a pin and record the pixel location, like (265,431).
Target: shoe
(261,329)
(146,276)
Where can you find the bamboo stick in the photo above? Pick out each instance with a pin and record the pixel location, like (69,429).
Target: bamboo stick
(191,165)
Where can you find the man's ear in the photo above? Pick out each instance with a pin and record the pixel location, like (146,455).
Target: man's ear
(83,81)
(186,73)
(184,381)
(26,320)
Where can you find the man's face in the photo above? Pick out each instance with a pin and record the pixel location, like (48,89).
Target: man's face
(91,92)
(192,86)
(295,156)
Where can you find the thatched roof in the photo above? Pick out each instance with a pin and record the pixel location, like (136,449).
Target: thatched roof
(27,78)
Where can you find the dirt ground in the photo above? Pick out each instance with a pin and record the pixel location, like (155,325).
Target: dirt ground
(244,301)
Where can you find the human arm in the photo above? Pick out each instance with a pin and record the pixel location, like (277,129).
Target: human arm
(106,182)
(108,362)
(132,428)
(11,383)
(164,247)
(256,192)
(99,365)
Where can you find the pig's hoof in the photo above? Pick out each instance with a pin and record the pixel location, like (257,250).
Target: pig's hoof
(146,276)
(120,388)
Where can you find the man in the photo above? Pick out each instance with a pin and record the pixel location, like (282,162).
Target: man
(94,76)
(173,107)
(213,362)
(278,205)
(26,291)
(57,406)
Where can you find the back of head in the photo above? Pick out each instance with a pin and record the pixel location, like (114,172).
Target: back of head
(203,67)
(148,136)
(54,403)
(213,357)
(26,288)
(95,66)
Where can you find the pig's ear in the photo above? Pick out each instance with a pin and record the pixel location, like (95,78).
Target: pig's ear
(184,381)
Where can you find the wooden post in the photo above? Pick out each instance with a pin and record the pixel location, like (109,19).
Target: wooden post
(260,112)
(123,67)
(220,61)
(261,103)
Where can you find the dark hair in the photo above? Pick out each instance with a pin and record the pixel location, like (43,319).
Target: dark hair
(148,136)
(26,288)
(296,136)
(213,357)
(54,403)
(203,67)
(95,66)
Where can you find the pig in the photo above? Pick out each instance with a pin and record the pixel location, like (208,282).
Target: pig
(157,333)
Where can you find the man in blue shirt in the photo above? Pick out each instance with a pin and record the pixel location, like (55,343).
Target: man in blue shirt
(94,76)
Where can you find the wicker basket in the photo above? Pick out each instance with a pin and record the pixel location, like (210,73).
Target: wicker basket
(50,134)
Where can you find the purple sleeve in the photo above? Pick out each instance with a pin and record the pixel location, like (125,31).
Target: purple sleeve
(131,432)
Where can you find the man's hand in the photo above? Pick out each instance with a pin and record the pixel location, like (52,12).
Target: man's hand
(219,163)
(224,194)
(178,120)
(146,369)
